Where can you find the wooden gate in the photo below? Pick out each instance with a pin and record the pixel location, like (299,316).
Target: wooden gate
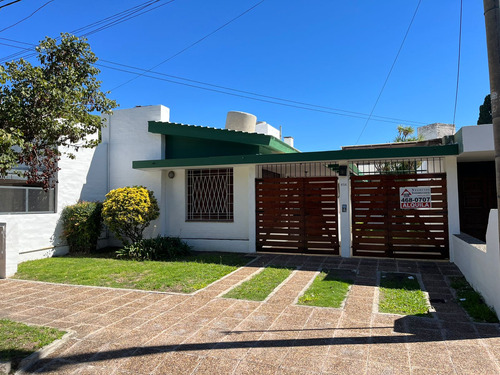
(297,215)
(381,228)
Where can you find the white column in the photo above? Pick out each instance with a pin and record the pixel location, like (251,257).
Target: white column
(345,215)
(452,192)
(252,246)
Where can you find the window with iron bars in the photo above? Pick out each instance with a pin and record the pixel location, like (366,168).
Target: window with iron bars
(210,195)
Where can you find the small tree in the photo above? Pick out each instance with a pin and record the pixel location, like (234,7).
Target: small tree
(128,211)
(485,112)
(48,106)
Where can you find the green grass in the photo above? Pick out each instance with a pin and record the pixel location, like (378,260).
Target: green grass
(327,290)
(261,285)
(400,294)
(472,301)
(18,341)
(186,274)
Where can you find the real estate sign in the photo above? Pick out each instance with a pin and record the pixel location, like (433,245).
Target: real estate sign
(415,197)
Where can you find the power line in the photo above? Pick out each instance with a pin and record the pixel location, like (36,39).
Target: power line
(272,99)
(458,63)
(127,18)
(193,44)
(6,5)
(390,71)
(364,115)
(104,23)
(25,18)
(246,96)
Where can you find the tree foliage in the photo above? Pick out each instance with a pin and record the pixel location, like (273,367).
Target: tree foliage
(405,134)
(128,211)
(485,111)
(82,225)
(50,105)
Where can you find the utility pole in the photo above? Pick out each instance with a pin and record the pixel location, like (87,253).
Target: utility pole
(492,21)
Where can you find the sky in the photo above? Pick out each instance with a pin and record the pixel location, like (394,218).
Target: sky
(318,66)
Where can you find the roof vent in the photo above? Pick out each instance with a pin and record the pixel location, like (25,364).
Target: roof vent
(241,121)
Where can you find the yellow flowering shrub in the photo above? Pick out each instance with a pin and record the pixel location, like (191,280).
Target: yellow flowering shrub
(128,211)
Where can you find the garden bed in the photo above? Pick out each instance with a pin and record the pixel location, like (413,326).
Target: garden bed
(329,289)
(185,274)
(260,285)
(400,293)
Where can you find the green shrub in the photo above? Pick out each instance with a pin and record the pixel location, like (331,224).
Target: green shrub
(82,225)
(128,211)
(159,248)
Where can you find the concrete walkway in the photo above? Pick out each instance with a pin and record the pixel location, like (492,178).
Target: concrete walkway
(134,332)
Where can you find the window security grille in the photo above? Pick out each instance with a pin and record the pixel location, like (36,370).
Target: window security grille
(210,194)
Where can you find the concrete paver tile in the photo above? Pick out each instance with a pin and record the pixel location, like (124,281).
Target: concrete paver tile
(251,368)
(177,364)
(212,366)
(344,366)
(375,368)
(473,359)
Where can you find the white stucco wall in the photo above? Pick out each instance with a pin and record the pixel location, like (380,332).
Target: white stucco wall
(128,139)
(237,236)
(480,264)
(37,235)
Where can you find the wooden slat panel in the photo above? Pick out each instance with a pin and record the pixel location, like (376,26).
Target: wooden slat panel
(297,213)
(380,228)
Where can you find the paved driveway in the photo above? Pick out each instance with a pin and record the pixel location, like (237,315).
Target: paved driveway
(134,332)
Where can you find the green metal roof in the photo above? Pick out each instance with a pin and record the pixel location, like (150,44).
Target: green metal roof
(350,154)
(267,144)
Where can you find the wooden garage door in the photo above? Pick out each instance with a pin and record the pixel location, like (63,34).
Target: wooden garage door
(297,215)
(382,228)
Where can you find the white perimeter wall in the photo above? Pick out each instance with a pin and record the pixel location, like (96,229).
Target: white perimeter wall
(237,236)
(480,264)
(34,235)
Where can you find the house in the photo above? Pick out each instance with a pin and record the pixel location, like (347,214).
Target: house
(243,189)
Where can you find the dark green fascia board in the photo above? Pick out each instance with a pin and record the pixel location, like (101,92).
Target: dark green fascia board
(351,154)
(193,131)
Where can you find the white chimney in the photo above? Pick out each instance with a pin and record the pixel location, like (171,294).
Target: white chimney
(288,141)
(241,121)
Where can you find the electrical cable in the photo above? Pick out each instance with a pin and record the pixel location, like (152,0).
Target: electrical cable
(458,63)
(245,96)
(25,18)
(106,23)
(260,95)
(6,5)
(390,71)
(272,98)
(193,44)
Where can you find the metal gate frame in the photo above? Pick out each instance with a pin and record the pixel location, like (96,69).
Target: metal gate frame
(297,215)
(380,228)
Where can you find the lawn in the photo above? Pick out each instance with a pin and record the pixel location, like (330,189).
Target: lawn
(327,290)
(400,293)
(186,274)
(260,285)
(472,301)
(18,341)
